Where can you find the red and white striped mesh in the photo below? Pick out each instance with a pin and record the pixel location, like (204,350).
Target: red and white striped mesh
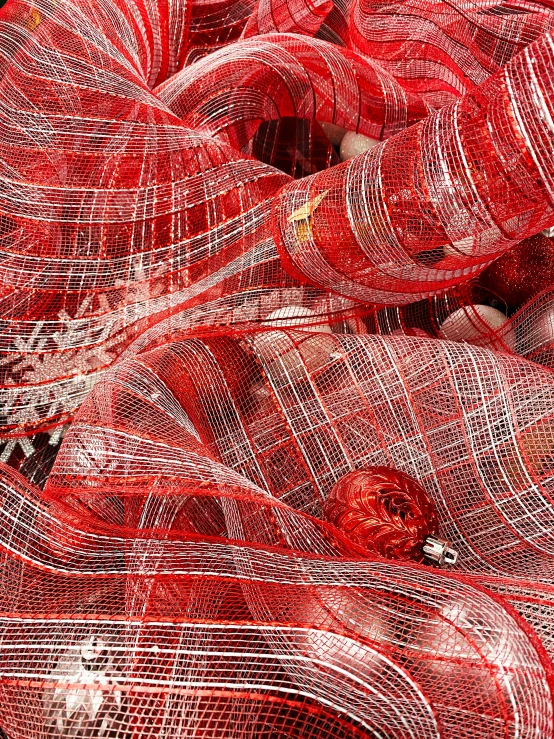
(179,529)
(167,193)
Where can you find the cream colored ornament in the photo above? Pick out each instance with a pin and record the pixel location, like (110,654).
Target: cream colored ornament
(355,143)
(288,359)
(480,325)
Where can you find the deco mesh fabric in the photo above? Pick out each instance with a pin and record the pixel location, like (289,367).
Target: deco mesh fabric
(179,527)
(175,577)
(116,213)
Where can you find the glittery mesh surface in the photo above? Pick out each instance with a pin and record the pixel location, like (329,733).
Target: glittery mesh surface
(220,320)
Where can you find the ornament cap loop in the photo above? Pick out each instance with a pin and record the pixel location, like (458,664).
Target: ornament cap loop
(439,551)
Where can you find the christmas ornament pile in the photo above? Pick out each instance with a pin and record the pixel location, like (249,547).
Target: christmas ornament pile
(280,276)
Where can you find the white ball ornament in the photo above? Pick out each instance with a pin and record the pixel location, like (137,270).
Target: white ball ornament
(542,330)
(535,334)
(330,609)
(458,646)
(480,325)
(296,316)
(462,248)
(285,363)
(355,143)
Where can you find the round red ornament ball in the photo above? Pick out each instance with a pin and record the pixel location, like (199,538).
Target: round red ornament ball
(383,510)
(523,272)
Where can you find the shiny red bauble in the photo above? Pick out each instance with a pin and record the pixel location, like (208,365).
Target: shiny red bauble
(384,510)
(523,272)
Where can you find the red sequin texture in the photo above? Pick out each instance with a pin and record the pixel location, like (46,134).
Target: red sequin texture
(522,273)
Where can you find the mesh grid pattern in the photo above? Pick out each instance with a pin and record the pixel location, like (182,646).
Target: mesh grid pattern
(107,226)
(168,193)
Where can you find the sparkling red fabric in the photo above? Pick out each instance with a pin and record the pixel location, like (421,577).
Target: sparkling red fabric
(222,320)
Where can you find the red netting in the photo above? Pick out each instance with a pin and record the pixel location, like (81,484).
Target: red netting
(177,528)
(172,204)
(443,49)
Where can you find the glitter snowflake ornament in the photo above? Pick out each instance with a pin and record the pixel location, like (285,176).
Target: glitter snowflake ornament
(86,701)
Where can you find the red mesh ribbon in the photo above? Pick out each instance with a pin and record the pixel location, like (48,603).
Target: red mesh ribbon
(176,528)
(436,203)
(115,213)
(175,578)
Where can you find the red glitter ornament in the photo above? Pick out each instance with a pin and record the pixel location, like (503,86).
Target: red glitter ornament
(384,510)
(523,272)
